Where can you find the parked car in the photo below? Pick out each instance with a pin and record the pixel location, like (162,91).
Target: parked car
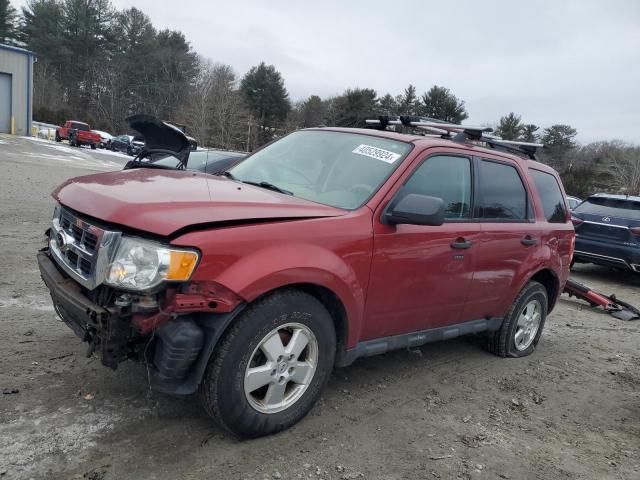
(105,138)
(573,202)
(328,245)
(211,161)
(78,134)
(608,231)
(128,144)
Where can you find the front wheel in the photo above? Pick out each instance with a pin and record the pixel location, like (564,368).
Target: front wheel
(522,327)
(271,366)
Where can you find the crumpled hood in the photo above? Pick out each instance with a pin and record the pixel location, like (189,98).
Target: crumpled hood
(165,201)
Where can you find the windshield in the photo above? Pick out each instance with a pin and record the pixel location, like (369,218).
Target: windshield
(197,160)
(333,168)
(201,160)
(610,207)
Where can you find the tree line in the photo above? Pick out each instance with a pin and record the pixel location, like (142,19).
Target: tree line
(100,64)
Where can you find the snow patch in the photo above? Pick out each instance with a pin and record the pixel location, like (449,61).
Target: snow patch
(36,139)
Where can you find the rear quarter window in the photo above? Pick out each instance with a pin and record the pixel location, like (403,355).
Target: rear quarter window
(550,195)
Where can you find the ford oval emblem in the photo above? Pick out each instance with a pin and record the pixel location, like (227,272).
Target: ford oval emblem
(61,242)
(606,219)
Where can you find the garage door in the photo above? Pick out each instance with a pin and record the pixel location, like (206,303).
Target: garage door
(5,103)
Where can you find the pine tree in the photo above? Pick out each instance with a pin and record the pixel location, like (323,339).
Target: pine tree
(441,104)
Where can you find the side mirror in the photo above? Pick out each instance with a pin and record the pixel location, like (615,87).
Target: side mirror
(415,209)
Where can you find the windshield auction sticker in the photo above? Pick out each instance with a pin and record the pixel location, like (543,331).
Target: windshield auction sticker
(377,153)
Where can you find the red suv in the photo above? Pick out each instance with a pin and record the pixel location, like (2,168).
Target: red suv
(325,246)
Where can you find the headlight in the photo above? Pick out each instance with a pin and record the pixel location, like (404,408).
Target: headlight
(140,264)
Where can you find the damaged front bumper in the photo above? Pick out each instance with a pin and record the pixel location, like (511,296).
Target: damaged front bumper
(176,351)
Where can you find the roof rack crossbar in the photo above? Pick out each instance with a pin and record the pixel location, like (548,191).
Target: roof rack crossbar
(463,133)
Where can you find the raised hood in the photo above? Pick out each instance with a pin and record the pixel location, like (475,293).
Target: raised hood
(158,134)
(165,201)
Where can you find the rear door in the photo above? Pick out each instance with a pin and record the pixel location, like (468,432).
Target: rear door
(421,275)
(509,236)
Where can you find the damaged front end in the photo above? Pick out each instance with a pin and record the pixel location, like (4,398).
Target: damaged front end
(106,288)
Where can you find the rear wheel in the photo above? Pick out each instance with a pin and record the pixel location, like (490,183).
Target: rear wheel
(271,366)
(522,327)
(93,146)
(58,139)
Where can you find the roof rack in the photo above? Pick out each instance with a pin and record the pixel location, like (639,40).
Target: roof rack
(463,133)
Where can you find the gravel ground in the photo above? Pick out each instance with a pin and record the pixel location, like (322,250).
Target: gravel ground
(448,410)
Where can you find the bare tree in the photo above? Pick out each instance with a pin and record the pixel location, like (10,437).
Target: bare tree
(215,110)
(623,165)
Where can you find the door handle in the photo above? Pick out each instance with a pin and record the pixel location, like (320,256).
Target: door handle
(528,241)
(461,244)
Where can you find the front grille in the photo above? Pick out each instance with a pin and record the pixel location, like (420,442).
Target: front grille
(78,230)
(82,249)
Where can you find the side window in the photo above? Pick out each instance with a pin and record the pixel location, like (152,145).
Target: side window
(446,177)
(502,194)
(550,195)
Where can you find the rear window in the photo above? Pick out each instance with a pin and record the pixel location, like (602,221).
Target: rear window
(550,196)
(80,126)
(610,207)
(502,194)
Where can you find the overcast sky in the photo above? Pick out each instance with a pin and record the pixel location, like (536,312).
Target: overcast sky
(562,61)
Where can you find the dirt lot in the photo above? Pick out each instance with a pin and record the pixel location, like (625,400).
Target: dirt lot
(448,410)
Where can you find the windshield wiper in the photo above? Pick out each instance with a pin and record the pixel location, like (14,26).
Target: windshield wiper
(268,186)
(263,184)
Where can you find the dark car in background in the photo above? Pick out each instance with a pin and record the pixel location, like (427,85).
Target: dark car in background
(573,202)
(127,143)
(608,231)
(208,161)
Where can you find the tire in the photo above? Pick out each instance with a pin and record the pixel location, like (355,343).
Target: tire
(58,139)
(93,146)
(129,152)
(223,392)
(504,342)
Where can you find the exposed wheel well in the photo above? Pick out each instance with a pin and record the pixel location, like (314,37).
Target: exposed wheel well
(335,307)
(550,282)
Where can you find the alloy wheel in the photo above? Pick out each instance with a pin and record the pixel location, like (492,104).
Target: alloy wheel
(281,368)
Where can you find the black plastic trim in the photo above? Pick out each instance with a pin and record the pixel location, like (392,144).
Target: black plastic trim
(377,346)
(213,326)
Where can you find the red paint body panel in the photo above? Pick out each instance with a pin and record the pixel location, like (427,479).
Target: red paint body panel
(250,260)
(163,201)
(390,279)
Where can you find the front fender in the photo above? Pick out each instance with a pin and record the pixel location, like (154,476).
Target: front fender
(278,266)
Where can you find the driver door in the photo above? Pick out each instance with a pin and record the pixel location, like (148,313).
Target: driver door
(421,275)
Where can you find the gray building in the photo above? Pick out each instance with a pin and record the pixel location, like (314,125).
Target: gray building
(16,90)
